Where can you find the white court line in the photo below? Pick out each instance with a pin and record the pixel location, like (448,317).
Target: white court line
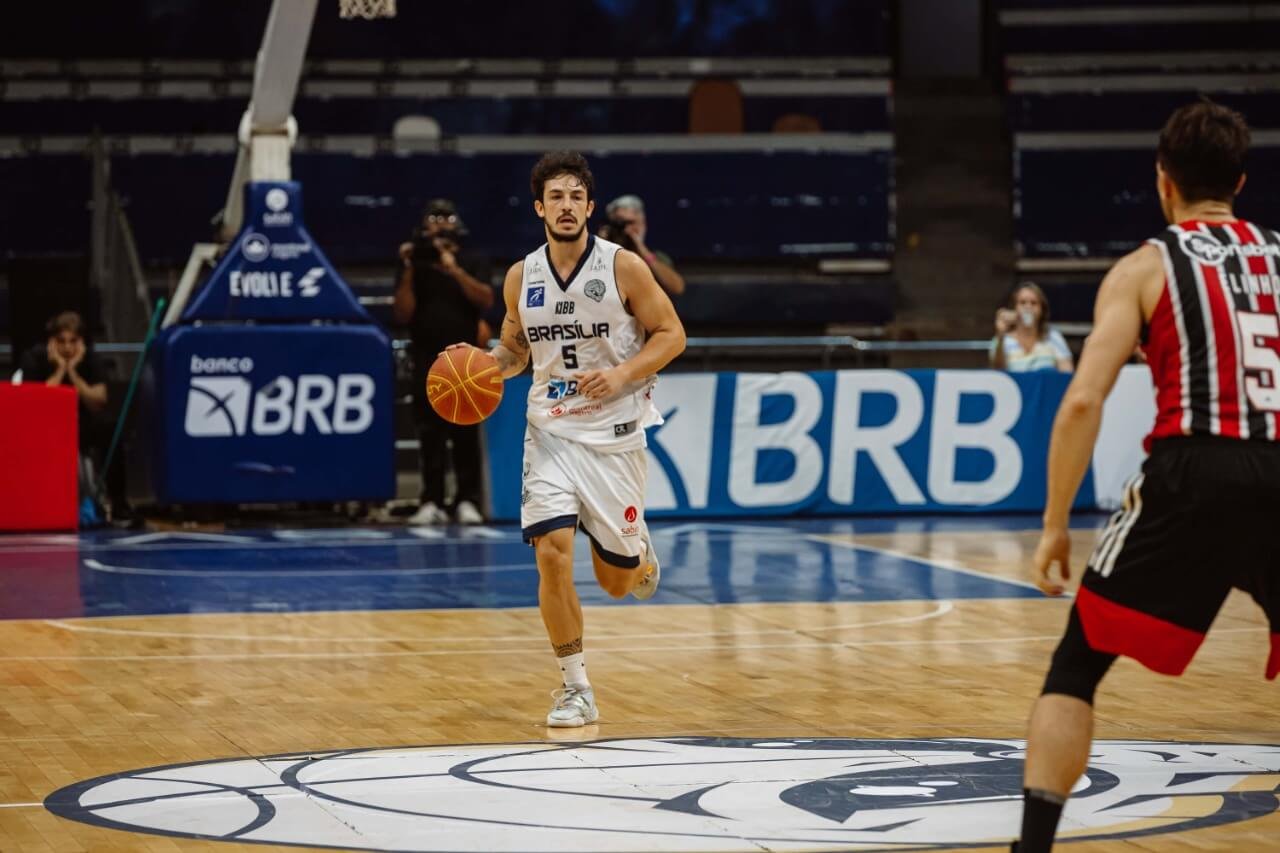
(350,571)
(21,805)
(595,650)
(540,650)
(942,609)
(949,565)
(414,539)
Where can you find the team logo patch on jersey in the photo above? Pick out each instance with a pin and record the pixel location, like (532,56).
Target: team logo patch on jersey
(535,297)
(594,289)
(676,793)
(1202,247)
(630,514)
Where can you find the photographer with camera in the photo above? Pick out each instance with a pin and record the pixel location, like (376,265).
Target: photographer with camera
(626,225)
(441,293)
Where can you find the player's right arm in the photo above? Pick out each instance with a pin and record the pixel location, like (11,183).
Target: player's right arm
(512,351)
(1122,303)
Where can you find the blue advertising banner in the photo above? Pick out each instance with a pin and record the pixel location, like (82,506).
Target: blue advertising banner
(858,441)
(249,414)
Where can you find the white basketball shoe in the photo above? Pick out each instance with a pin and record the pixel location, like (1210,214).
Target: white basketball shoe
(573,707)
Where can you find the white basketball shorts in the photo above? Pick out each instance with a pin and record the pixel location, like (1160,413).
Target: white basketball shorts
(567,484)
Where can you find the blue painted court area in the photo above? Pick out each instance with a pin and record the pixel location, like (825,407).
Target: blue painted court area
(382,568)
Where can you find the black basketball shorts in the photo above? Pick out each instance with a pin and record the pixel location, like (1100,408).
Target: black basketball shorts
(1201,518)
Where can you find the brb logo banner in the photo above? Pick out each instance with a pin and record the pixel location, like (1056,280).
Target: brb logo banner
(865,441)
(296,413)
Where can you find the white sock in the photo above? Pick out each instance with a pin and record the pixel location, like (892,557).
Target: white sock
(574,670)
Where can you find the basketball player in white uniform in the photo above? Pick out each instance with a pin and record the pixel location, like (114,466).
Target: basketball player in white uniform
(598,328)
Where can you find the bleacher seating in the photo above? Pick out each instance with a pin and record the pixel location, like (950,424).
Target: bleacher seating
(713,206)
(216,29)
(809,177)
(862,109)
(1090,85)
(1091,26)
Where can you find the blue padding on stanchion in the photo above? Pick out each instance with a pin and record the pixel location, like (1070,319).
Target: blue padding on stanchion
(273,270)
(251,414)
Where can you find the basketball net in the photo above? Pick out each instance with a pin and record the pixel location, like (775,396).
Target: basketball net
(368,9)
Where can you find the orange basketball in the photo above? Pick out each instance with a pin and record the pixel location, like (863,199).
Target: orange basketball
(464,385)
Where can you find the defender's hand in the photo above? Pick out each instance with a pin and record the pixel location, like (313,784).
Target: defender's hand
(1053,555)
(600,384)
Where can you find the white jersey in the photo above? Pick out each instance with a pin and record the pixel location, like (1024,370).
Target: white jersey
(578,325)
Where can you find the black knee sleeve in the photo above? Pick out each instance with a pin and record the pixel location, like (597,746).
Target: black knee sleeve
(1076,669)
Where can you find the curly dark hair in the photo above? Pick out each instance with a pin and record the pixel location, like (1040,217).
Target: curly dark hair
(555,163)
(1202,148)
(67,321)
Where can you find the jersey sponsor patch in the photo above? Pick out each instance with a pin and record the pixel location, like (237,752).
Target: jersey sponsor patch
(595,289)
(535,297)
(558,389)
(628,428)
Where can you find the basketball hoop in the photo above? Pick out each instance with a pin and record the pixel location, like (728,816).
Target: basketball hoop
(367,9)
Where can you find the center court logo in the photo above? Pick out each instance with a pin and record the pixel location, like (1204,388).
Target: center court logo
(685,793)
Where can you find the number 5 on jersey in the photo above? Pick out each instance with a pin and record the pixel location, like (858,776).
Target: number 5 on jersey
(569,355)
(1260,357)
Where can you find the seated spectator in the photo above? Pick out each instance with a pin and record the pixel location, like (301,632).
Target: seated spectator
(626,226)
(64,359)
(1024,342)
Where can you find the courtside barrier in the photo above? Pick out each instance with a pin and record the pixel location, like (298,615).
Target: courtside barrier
(853,441)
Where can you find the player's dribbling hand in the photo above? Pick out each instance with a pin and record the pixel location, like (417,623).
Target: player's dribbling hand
(1053,557)
(600,384)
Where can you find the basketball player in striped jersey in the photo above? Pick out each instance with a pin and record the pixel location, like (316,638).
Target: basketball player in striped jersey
(598,327)
(1202,299)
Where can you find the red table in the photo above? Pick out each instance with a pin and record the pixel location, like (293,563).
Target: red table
(38,456)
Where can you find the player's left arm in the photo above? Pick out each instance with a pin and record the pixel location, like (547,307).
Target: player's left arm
(1117,325)
(651,306)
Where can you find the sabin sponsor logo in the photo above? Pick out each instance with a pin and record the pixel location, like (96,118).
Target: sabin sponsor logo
(277,201)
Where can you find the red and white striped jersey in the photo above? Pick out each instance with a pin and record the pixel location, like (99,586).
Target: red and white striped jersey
(1213,343)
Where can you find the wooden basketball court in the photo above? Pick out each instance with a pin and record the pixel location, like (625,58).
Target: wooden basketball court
(899,647)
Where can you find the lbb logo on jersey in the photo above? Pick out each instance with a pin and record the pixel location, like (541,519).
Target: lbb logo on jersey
(535,297)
